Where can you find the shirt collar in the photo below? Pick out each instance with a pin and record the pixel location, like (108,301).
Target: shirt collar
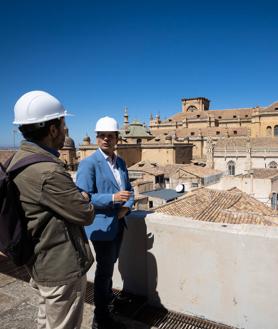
(107,157)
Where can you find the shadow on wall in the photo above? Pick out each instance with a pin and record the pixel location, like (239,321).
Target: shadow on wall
(137,265)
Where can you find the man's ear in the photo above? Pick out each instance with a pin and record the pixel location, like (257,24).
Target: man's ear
(53,131)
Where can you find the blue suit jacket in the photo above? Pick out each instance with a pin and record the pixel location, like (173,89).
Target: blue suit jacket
(96,178)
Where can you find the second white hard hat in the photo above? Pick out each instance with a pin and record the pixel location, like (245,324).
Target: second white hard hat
(107,124)
(37,106)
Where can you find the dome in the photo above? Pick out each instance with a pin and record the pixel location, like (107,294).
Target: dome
(69,142)
(86,140)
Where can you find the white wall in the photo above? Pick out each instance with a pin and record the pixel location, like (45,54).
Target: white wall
(260,189)
(225,273)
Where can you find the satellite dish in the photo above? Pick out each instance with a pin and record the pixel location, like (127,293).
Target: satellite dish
(179,188)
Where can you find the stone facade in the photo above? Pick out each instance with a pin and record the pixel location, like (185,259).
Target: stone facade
(192,134)
(239,155)
(196,122)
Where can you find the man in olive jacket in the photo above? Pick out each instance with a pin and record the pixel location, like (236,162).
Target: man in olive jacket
(55,211)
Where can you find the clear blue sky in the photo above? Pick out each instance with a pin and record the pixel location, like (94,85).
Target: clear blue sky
(99,56)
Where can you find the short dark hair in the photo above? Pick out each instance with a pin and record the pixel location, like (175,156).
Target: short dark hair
(36,132)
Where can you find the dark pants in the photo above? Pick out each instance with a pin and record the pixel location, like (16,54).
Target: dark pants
(107,253)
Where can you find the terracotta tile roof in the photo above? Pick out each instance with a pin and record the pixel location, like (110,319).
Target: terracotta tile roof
(147,167)
(5,155)
(172,169)
(262,173)
(225,114)
(160,138)
(264,142)
(230,113)
(229,217)
(233,207)
(271,108)
(199,171)
(258,143)
(189,132)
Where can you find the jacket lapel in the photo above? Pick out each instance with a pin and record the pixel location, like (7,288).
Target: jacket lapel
(122,173)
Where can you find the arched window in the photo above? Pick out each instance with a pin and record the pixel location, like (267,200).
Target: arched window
(231,168)
(272,164)
(139,141)
(276,131)
(192,108)
(268,131)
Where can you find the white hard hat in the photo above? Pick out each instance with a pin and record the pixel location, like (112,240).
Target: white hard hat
(37,106)
(107,124)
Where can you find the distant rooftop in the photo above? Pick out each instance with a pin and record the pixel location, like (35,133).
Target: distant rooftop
(262,173)
(136,129)
(172,169)
(233,207)
(258,143)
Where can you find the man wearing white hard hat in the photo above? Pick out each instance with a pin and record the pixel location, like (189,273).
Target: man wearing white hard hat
(105,177)
(55,211)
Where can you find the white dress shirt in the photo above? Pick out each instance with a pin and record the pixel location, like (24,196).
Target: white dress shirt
(112,165)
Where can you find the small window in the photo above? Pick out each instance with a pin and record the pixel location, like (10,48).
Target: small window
(268,131)
(219,117)
(246,115)
(276,131)
(150,204)
(231,168)
(159,179)
(234,116)
(272,165)
(192,133)
(218,133)
(235,132)
(198,115)
(139,141)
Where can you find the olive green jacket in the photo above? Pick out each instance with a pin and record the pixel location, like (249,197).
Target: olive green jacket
(56,213)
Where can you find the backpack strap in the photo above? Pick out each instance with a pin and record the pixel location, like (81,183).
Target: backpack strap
(28,160)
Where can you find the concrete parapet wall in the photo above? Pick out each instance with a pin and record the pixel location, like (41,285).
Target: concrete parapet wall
(224,273)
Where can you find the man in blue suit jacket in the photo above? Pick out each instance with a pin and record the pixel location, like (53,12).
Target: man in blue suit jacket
(105,177)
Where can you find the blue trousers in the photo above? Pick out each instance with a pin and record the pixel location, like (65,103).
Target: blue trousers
(107,253)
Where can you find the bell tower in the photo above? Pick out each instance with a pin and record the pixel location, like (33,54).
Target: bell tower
(195,104)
